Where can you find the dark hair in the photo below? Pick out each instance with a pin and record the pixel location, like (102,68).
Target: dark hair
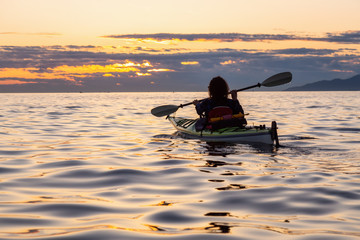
(218,88)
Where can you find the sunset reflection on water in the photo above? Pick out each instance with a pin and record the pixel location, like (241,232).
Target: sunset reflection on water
(100,166)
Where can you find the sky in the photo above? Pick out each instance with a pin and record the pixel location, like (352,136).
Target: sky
(162,45)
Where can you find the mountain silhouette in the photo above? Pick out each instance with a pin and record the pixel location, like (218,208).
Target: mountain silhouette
(351,84)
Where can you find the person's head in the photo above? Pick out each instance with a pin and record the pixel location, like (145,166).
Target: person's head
(218,88)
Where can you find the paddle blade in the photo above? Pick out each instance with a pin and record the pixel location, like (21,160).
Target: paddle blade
(277,79)
(164,110)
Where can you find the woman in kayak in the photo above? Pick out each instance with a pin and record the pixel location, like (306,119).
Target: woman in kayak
(219,105)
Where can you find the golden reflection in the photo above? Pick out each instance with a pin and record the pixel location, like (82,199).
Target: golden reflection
(154,228)
(216,180)
(211,163)
(219,227)
(60,199)
(232,187)
(29,231)
(216,163)
(213,227)
(162,203)
(218,214)
(228,173)
(225,227)
(167,156)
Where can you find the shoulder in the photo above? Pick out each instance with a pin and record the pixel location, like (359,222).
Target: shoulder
(207,101)
(204,105)
(232,102)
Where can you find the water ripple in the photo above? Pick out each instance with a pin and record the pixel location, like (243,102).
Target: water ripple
(95,166)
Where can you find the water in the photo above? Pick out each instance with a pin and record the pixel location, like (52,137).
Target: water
(100,166)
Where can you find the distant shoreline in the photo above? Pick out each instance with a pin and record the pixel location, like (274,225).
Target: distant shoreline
(351,84)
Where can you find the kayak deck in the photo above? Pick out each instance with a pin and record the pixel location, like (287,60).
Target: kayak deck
(258,134)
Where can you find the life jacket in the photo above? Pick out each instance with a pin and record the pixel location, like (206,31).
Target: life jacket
(220,111)
(222,116)
(216,113)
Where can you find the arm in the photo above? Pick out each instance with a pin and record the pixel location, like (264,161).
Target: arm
(233,95)
(201,107)
(236,106)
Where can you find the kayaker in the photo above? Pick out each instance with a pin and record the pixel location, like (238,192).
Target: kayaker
(218,105)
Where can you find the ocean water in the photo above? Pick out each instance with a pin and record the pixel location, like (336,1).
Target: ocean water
(100,166)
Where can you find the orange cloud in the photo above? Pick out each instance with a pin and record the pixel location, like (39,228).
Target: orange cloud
(28,73)
(88,69)
(143,74)
(69,73)
(108,75)
(12,82)
(190,63)
(228,62)
(160,70)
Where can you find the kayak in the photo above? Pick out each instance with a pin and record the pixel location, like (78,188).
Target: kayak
(249,134)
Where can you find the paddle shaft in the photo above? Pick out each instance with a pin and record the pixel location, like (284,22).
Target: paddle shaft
(253,86)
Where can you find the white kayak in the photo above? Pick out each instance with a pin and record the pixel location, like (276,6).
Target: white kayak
(249,134)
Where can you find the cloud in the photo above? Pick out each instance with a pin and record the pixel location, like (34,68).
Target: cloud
(190,63)
(339,37)
(14,82)
(93,68)
(227,62)
(344,37)
(108,75)
(223,37)
(306,51)
(160,70)
(82,47)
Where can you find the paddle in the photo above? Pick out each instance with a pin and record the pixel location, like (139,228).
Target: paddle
(276,80)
